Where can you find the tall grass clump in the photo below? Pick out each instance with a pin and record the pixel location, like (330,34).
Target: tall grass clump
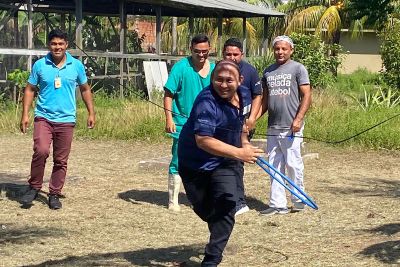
(357,82)
(338,123)
(116,118)
(10,115)
(334,117)
(126,119)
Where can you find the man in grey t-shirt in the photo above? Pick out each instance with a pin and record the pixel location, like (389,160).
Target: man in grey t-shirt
(286,97)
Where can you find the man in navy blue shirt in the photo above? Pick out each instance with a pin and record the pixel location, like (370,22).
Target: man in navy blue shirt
(233,50)
(212,146)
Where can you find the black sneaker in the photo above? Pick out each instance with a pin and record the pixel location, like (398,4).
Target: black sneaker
(29,196)
(54,202)
(271,211)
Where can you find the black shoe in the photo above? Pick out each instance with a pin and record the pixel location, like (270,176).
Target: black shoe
(29,196)
(54,202)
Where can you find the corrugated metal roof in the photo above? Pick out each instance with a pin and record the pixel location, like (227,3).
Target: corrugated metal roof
(179,8)
(231,5)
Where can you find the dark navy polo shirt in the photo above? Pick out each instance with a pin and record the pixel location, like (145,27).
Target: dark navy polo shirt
(251,78)
(215,117)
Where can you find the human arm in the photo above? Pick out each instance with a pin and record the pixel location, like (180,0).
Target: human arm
(255,110)
(169,122)
(246,153)
(29,93)
(305,93)
(87,98)
(264,101)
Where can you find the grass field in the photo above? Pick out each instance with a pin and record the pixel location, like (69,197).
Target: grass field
(115,214)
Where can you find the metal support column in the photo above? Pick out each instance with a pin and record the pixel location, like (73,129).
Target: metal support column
(158,30)
(62,22)
(191,30)
(79,25)
(122,44)
(244,37)
(265,36)
(219,23)
(30,34)
(174,35)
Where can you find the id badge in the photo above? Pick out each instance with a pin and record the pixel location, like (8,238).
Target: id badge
(57,82)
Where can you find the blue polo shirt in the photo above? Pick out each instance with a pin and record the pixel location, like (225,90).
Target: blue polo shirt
(251,78)
(57,104)
(215,117)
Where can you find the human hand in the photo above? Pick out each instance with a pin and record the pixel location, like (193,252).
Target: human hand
(250,123)
(249,153)
(170,126)
(24,123)
(296,125)
(91,121)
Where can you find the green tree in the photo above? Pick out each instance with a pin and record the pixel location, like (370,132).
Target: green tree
(390,53)
(327,17)
(320,59)
(375,12)
(209,26)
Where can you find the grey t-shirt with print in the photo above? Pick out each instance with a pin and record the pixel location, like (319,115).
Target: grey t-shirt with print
(283,83)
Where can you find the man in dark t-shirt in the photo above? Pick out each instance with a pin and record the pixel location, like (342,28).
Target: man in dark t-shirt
(233,50)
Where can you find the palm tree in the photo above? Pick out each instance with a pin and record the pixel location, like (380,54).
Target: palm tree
(327,17)
(231,27)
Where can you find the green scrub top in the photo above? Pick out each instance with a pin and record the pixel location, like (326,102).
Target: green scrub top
(185,84)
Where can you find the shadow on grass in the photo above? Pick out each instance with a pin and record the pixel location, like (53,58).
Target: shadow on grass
(386,252)
(12,186)
(10,234)
(150,196)
(14,192)
(161,198)
(370,187)
(387,229)
(255,204)
(156,257)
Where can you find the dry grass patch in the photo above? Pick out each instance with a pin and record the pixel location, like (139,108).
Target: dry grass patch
(114,214)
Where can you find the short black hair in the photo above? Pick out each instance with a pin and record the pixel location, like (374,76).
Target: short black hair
(57,33)
(200,38)
(234,42)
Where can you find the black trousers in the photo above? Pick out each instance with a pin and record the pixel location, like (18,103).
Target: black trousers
(213,195)
(240,187)
(240,182)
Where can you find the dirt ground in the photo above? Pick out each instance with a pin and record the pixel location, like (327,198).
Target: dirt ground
(115,214)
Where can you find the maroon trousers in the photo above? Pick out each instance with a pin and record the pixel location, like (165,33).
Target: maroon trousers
(44,133)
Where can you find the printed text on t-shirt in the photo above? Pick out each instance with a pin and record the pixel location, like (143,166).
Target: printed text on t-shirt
(282,81)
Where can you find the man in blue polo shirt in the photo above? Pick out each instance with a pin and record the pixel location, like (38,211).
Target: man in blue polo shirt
(212,145)
(55,78)
(233,50)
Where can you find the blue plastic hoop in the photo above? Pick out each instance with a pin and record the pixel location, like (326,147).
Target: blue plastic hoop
(302,196)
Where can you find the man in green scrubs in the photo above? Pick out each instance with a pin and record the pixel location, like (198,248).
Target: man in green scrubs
(187,78)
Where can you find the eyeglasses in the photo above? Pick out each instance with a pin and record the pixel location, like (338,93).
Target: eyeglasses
(199,52)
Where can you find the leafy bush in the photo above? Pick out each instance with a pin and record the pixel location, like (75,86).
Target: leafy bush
(262,62)
(19,78)
(390,53)
(320,59)
(359,81)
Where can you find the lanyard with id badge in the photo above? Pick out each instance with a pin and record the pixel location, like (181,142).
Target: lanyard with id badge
(57,82)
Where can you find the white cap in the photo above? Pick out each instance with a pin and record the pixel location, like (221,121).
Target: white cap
(283,38)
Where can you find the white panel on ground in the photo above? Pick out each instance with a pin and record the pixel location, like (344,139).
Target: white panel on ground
(156,76)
